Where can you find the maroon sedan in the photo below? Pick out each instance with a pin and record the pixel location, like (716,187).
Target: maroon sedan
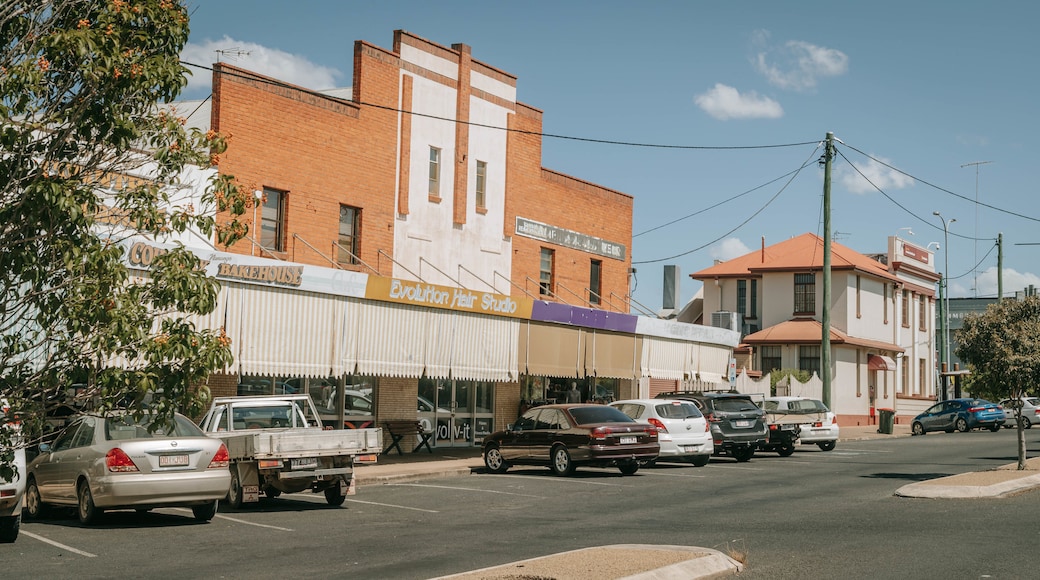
(565,436)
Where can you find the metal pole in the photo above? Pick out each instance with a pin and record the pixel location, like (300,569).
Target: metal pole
(1000,266)
(946,283)
(825,322)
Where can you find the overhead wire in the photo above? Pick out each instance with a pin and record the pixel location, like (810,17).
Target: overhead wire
(743,223)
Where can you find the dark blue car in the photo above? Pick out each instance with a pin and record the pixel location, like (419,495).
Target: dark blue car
(959,414)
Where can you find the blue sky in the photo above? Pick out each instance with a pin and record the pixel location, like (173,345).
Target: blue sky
(919,94)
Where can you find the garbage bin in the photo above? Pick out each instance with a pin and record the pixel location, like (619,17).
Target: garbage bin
(886,419)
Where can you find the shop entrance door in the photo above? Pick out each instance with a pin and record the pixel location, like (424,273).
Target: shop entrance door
(462,412)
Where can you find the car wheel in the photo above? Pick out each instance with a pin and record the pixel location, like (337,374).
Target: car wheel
(35,509)
(271,492)
(628,467)
(9,529)
(826,445)
(994,427)
(1025,423)
(234,494)
(961,425)
(700,460)
(917,429)
(334,496)
(493,460)
(743,454)
(85,508)
(205,513)
(561,461)
(785,449)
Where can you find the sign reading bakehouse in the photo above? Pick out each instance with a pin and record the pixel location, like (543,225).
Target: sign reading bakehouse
(567,238)
(446,297)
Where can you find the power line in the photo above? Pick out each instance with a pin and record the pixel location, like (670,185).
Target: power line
(276,83)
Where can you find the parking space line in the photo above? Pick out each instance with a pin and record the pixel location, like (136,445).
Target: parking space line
(559,479)
(403,507)
(236,520)
(467,489)
(58,545)
(663,474)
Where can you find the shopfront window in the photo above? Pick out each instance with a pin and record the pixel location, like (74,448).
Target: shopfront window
(358,396)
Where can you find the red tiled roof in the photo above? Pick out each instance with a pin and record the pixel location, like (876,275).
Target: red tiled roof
(801,253)
(810,331)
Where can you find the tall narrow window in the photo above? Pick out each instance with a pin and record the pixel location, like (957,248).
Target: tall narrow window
(859,298)
(595,281)
(905,310)
(922,310)
(885,294)
(349,230)
(742,297)
(545,272)
(809,358)
(272,220)
(805,293)
(435,172)
(753,311)
(481,184)
(771,358)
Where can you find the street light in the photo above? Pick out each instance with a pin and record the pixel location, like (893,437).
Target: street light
(944,289)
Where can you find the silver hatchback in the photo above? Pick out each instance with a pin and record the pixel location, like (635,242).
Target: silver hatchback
(682,430)
(107,463)
(1030,411)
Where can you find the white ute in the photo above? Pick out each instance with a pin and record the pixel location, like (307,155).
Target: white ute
(818,425)
(277,445)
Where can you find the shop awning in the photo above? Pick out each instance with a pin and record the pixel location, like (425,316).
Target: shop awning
(287,332)
(484,348)
(880,362)
(610,355)
(551,350)
(666,359)
(391,339)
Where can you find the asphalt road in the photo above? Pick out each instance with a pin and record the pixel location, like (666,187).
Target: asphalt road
(812,515)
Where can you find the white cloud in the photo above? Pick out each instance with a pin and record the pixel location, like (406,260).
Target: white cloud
(729,248)
(879,175)
(291,68)
(797,65)
(986,280)
(724,103)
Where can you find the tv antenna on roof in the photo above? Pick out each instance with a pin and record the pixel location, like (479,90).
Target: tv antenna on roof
(233,53)
(836,235)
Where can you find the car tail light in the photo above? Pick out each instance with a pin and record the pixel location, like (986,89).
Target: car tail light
(600,433)
(118,461)
(818,424)
(710,417)
(976,409)
(220,459)
(707,426)
(773,427)
(657,423)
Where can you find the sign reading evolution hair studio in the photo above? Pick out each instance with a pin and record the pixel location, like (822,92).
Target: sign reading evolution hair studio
(569,239)
(446,297)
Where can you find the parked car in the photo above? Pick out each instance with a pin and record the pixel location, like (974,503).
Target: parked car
(962,415)
(737,424)
(109,463)
(682,430)
(566,436)
(1030,411)
(822,431)
(13,486)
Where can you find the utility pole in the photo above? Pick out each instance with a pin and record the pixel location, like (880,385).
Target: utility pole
(974,273)
(825,322)
(1000,266)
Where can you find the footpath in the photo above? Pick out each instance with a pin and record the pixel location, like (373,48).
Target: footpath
(655,562)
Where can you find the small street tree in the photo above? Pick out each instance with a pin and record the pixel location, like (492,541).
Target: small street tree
(1002,349)
(84,141)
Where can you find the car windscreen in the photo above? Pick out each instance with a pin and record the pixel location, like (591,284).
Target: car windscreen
(734,405)
(808,406)
(126,427)
(599,414)
(678,411)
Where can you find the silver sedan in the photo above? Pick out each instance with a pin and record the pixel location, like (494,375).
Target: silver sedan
(108,463)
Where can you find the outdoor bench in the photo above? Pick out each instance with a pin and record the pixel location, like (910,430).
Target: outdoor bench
(399,429)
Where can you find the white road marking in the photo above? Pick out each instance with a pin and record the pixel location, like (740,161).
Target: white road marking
(466,489)
(403,507)
(59,545)
(560,479)
(238,521)
(666,474)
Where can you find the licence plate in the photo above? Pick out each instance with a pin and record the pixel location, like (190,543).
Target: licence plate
(173,460)
(742,423)
(628,440)
(304,463)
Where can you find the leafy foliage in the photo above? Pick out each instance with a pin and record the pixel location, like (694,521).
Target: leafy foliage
(1002,350)
(89,157)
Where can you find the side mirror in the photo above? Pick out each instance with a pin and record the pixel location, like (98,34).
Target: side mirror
(45,447)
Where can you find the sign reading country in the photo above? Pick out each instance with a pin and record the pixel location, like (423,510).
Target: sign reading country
(446,297)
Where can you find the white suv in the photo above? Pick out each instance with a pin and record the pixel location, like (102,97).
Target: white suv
(11,489)
(822,431)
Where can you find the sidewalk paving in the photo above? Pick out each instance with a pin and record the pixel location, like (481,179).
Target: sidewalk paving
(644,562)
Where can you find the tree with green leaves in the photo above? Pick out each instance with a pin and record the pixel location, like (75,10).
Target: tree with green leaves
(1002,349)
(88,157)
